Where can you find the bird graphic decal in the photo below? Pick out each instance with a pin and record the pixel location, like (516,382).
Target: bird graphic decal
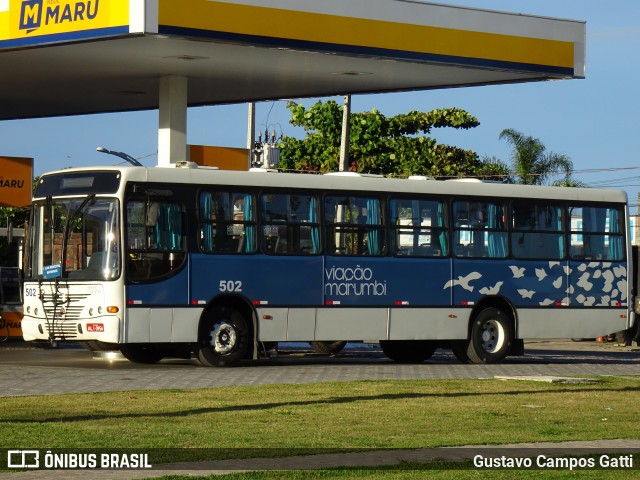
(491,290)
(464,281)
(518,272)
(524,293)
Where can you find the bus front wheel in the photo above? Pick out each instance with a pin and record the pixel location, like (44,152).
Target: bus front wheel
(224,338)
(491,337)
(408,351)
(142,353)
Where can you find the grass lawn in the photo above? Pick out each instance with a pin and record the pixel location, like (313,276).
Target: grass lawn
(421,472)
(277,420)
(417,472)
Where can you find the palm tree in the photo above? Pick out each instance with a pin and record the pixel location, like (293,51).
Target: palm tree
(532,165)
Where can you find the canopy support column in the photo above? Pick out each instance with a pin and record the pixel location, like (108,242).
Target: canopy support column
(172,131)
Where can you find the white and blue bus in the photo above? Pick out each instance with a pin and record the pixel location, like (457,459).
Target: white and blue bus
(160,262)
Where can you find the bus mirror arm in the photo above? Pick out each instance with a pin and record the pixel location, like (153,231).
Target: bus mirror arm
(152,214)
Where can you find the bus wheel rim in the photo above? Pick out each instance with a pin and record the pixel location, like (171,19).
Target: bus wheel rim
(493,336)
(224,337)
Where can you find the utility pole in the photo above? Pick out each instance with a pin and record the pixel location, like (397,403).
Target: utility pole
(344,139)
(251,131)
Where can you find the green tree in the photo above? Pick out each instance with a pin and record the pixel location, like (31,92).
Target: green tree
(531,164)
(18,217)
(395,146)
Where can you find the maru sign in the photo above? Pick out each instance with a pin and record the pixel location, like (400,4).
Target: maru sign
(26,22)
(16,180)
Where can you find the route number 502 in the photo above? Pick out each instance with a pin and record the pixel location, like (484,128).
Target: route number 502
(230,286)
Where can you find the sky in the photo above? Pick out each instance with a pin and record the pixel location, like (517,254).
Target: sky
(594,121)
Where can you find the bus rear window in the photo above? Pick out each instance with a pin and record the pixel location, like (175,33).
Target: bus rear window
(596,233)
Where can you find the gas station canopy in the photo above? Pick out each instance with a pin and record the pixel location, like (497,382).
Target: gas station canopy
(62,57)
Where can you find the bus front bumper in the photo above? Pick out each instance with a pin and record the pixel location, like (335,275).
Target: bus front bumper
(103,329)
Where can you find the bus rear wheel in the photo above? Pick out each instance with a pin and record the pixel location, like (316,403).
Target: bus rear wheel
(328,348)
(142,353)
(491,337)
(408,351)
(224,338)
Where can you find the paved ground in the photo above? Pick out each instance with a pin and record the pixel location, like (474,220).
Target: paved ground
(41,372)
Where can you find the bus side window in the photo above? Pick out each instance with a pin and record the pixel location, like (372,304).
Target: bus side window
(480,229)
(537,231)
(289,224)
(155,238)
(418,228)
(227,222)
(354,226)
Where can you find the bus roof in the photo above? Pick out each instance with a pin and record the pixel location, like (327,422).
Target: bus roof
(353,183)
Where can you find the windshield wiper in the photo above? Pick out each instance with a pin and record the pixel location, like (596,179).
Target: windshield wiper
(70,219)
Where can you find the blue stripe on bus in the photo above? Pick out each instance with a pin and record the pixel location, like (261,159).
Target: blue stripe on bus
(172,291)
(385,281)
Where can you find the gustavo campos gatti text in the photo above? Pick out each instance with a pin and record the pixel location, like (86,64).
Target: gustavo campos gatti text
(563,463)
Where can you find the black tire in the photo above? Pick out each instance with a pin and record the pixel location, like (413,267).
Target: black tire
(491,337)
(328,348)
(459,349)
(223,339)
(408,351)
(97,346)
(90,345)
(142,353)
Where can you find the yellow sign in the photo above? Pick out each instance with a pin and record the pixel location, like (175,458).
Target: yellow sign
(31,22)
(225,158)
(16,181)
(10,321)
(252,22)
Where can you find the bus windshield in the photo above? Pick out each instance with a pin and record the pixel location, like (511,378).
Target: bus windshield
(86,229)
